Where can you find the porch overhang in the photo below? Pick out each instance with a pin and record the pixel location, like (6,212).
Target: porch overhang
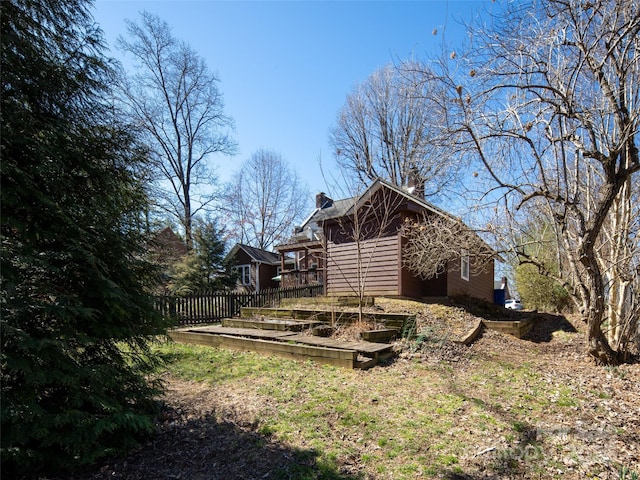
(296,247)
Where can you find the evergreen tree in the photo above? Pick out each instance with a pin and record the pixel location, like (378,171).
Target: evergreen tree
(204,267)
(76,313)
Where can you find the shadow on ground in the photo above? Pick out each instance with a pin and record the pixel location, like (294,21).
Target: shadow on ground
(464,476)
(545,325)
(484,309)
(205,449)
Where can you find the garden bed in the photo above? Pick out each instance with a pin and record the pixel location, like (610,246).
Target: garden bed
(517,328)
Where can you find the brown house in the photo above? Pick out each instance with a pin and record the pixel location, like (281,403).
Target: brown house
(357,241)
(168,246)
(166,249)
(256,269)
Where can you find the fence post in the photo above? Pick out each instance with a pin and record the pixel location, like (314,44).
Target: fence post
(232,307)
(202,307)
(172,307)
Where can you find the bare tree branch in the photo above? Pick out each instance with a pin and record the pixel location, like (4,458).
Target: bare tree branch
(549,105)
(175,99)
(433,242)
(263,200)
(389,128)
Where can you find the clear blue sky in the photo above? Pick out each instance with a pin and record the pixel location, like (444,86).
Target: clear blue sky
(287,67)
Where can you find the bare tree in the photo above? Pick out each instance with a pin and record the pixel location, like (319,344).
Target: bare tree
(174,98)
(618,254)
(434,241)
(263,200)
(549,105)
(389,127)
(352,249)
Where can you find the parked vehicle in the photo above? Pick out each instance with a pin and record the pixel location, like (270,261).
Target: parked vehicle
(513,304)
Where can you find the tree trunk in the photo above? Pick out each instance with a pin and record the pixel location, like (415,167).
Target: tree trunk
(188,230)
(597,345)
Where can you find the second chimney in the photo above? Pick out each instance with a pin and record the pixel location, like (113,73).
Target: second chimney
(322,201)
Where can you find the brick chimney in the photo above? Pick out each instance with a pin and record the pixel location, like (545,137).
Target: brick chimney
(322,201)
(415,183)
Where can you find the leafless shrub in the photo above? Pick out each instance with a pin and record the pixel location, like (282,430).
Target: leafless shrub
(434,242)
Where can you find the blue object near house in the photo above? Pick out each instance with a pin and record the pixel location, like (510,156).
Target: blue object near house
(500,291)
(499,296)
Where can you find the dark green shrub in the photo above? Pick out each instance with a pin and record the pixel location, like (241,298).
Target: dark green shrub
(76,314)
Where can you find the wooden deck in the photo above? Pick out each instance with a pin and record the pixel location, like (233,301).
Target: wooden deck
(288,344)
(390,320)
(366,348)
(336,357)
(268,324)
(240,332)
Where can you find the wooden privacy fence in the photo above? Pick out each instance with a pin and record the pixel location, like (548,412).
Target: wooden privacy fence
(211,307)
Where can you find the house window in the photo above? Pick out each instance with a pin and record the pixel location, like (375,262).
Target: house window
(244,274)
(464,265)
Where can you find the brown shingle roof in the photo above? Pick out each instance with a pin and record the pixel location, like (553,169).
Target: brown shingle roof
(256,254)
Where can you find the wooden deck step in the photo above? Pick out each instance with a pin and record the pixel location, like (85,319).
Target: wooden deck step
(382,335)
(240,332)
(331,356)
(362,347)
(364,363)
(359,354)
(268,324)
(390,320)
(368,349)
(330,301)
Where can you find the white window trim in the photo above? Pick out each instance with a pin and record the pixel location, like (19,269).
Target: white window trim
(244,272)
(465,265)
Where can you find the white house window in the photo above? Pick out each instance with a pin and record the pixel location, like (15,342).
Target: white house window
(464,265)
(244,274)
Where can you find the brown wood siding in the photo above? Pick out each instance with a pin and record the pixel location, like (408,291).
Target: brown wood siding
(241,258)
(386,275)
(480,284)
(379,260)
(435,287)
(413,286)
(267,272)
(410,285)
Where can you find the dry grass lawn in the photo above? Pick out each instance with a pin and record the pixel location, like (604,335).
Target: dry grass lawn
(501,408)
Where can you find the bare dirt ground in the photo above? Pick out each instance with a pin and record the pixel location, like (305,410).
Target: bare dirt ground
(595,434)
(210,432)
